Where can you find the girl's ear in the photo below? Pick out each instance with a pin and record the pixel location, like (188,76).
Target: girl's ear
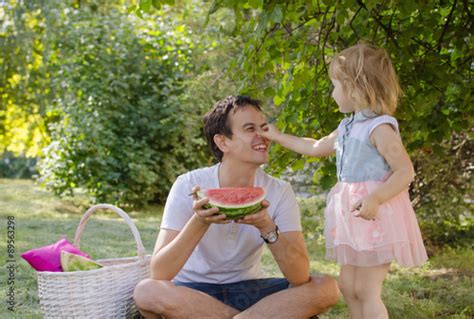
(221,142)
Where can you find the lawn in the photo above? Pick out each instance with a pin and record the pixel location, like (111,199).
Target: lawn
(443,288)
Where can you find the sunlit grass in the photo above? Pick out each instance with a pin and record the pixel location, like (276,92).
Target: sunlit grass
(443,288)
(41,219)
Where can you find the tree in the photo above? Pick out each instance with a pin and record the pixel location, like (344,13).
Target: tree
(24,79)
(287,48)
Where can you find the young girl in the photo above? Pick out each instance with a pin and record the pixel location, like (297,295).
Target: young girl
(369,220)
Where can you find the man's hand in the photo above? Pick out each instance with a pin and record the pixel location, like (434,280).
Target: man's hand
(366,207)
(261,220)
(206,216)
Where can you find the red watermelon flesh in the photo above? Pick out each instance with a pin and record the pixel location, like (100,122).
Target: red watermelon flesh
(235,202)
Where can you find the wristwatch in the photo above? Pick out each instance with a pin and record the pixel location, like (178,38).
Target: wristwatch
(272,236)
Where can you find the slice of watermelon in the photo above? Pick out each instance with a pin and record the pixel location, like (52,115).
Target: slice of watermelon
(72,262)
(235,202)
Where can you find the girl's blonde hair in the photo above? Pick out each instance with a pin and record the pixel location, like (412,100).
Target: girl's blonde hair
(367,75)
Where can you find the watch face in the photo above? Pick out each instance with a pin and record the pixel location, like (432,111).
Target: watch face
(272,237)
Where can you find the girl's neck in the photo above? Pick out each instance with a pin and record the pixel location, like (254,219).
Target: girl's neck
(365,111)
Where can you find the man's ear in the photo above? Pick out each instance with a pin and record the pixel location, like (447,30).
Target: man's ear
(221,142)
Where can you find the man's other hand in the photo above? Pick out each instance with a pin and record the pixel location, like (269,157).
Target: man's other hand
(261,219)
(206,215)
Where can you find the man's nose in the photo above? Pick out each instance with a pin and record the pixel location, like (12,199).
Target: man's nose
(259,133)
(263,128)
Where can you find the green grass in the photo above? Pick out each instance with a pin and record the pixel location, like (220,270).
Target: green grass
(443,288)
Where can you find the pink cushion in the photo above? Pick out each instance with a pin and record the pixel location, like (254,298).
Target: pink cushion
(48,258)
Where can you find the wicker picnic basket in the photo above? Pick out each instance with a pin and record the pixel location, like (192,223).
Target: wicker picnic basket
(101,293)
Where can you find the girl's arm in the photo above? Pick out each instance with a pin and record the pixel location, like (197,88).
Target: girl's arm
(390,146)
(303,145)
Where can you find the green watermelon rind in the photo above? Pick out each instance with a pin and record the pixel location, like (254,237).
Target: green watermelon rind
(73,262)
(234,213)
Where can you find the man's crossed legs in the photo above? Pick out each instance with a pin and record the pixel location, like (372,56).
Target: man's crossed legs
(265,298)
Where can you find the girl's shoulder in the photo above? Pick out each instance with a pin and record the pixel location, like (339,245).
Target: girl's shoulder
(361,124)
(373,123)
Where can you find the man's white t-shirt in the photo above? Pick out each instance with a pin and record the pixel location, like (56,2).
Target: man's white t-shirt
(227,252)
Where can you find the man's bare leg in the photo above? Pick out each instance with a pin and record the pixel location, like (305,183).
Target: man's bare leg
(161,297)
(304,301)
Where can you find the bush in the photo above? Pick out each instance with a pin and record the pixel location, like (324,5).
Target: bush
(122,132)
(312,218)
(442,193)
(16,166)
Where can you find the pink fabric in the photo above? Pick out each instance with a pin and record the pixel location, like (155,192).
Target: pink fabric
(393,236)
(48,258)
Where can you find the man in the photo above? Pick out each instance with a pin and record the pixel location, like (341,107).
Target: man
(205,266)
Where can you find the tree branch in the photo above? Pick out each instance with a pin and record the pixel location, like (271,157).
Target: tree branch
(352,20)
(267,33)
(312,17)
(466,7)
(326,37)
(446,25)
(377,18)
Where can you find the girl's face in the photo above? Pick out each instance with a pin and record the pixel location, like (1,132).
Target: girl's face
(344,103)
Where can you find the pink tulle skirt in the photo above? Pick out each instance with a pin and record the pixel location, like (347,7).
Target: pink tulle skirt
(394,235)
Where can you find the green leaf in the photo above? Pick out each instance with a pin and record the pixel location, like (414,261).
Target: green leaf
(298,164)
(326,182)
(256,4)
(156,4)
(277,15)
(145,5)
(138,12)
(269,92)
(277,100)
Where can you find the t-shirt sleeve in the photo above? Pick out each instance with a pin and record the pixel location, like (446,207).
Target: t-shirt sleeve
(179,206)
(287,212)
(384,119)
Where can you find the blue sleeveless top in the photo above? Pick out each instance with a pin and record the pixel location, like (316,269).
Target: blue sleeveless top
(357,160)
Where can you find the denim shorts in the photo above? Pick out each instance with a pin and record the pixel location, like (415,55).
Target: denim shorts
(240,295)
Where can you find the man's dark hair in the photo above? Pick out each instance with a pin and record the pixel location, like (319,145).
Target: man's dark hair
(216,120)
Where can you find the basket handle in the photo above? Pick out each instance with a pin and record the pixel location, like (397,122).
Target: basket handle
(128,220)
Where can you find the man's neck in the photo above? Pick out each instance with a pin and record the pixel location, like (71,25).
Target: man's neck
(237,174)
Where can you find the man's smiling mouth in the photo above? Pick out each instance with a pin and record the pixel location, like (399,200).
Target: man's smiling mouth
(260,147)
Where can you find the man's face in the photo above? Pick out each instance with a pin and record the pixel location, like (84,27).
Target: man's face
(246,143)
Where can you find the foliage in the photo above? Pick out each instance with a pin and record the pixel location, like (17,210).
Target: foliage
(215,46)
(24,79)
(117,98)
(444,199)
(123,134)
(312,218)
(284,60)
(107,91)
(16,166)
